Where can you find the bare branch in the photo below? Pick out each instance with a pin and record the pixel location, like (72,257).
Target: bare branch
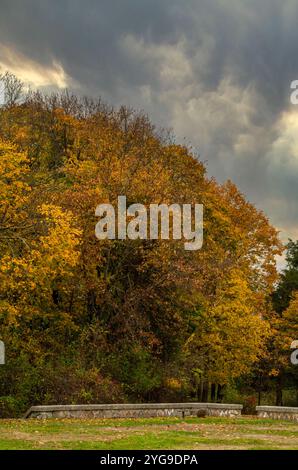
(13,88)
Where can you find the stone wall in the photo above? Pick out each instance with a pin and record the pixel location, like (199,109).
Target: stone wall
(278,412)
(150,410)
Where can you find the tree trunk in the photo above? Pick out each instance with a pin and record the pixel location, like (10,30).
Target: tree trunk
(259,389)
(279,385)
(205,392)
(200,391)
(213,392)
(220,393)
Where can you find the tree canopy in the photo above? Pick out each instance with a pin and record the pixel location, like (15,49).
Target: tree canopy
(88,320)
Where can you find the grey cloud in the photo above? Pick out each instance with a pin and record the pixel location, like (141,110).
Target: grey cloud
(217,71)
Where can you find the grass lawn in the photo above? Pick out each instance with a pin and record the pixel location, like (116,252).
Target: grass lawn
(151,433)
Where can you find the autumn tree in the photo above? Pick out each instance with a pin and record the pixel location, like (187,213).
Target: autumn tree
(137,315)
(284,322)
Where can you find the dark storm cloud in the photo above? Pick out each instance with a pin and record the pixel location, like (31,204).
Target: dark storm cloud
(86,36)
(257,39)
(218,72)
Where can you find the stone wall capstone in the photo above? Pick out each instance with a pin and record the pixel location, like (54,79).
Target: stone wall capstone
(278,412)
(147,410)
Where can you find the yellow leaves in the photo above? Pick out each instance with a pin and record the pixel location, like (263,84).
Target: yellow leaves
(62,232)
(56,252)
(274,373)
(144,292)
(8,311)
(285,331)
(232,329)
(245,232)
(173,383)
(13,169)
(291,314)
(52,254)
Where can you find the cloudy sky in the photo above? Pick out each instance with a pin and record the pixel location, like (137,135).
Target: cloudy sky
(218,72)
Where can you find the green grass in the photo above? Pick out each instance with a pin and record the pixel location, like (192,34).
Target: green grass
(151,433)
